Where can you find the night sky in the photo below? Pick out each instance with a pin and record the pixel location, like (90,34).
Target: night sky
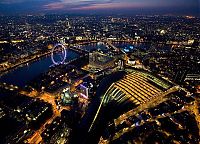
(176,7)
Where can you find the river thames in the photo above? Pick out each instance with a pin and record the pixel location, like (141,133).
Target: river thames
(23,74)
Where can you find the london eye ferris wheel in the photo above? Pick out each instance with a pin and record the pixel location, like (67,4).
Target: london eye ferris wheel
(58,54)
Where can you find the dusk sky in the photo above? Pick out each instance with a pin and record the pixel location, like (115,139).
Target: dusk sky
(178,7)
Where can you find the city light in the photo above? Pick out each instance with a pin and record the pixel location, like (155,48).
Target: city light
(99,72)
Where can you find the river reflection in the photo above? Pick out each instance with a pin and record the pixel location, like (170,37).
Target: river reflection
(22,75)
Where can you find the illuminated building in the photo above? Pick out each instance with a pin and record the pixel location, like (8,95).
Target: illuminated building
(66,96)
(84,91)
(131,61)
(86,88)
(101,61)
(137,87)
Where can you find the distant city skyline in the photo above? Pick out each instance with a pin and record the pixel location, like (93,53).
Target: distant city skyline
(176,7)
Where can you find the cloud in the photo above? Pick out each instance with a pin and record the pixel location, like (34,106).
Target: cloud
(107,6)
(101,4)
(54,6)
(75,4)
(13,6)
